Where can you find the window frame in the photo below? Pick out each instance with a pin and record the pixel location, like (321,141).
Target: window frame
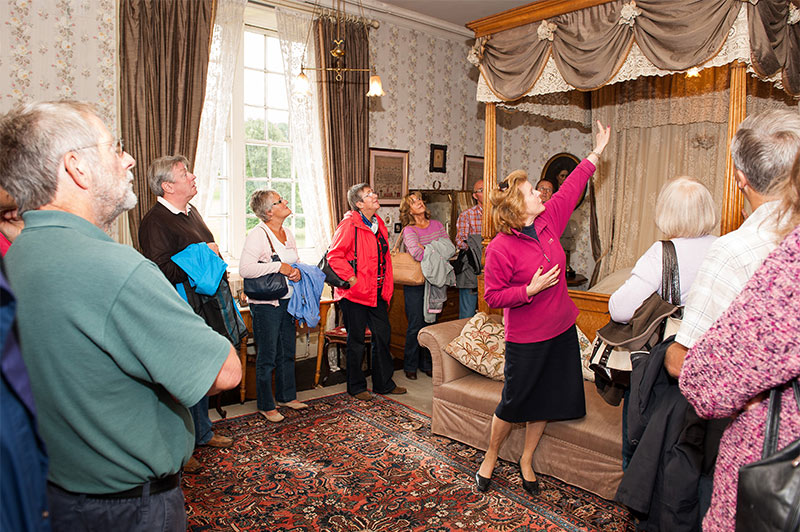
(258,19)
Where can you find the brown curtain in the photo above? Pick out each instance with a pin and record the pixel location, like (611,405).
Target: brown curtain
(164,50)
(345,118)
(589,45)
(775,43)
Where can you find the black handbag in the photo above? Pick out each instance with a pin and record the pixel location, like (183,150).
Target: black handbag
(270,286)
(768,496)
(331,276)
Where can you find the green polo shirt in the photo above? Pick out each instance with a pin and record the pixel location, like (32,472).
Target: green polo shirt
(115,356)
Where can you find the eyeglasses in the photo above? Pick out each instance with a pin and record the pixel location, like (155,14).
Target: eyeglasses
(369,194)
(117,144)
(282,200)
(479,191)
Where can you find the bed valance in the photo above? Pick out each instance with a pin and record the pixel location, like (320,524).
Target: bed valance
(620,40)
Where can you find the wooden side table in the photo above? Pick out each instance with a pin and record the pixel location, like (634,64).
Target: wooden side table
(248,321)
(324,307)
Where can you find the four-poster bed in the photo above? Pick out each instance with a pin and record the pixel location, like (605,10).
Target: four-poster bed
(526,55)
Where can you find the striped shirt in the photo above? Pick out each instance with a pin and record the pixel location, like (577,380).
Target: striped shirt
(469,223)
(414,237)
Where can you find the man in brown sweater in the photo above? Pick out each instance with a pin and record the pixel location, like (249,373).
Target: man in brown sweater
(171,225)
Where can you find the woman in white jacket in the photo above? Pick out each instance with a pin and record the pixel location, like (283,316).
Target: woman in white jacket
(685,214)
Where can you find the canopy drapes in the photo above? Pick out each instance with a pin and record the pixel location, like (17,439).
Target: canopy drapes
(532,59)
(590,46)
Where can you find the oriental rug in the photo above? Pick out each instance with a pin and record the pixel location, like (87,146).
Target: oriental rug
(348,465)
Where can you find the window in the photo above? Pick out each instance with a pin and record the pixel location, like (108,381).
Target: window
(259,148)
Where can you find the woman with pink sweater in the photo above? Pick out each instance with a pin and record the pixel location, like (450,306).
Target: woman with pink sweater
(524,275)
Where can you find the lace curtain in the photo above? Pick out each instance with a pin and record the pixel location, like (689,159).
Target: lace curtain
(305,133)
(210,156)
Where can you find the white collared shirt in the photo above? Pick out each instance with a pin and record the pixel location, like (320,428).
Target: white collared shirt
(728,265)
(172,208)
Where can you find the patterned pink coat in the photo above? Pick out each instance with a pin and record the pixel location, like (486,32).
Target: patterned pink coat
(752,347)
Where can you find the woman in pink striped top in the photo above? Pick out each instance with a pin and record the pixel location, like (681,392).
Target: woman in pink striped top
(418,231)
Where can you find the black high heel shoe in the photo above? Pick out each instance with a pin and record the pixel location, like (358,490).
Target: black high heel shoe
(482,483)
(531,487)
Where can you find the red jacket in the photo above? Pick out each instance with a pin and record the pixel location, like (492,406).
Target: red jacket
(365,290)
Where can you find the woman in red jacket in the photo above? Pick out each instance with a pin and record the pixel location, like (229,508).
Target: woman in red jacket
(363,236)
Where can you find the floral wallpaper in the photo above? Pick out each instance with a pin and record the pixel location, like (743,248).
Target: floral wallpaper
(59,49)
(431,99)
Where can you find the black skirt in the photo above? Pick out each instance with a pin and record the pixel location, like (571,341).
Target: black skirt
(543,380)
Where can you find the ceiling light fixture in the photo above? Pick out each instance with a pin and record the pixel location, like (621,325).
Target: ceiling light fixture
(303,84)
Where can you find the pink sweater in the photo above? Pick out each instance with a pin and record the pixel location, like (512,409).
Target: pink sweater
(752,347)
(512,260)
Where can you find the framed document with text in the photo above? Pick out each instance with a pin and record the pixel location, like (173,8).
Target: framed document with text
(388,174)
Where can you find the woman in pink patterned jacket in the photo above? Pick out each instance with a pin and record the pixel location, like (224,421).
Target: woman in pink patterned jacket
(753,347)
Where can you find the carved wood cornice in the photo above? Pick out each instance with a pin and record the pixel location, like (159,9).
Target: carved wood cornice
(535,11)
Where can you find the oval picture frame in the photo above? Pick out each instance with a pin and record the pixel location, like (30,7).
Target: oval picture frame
(558,163)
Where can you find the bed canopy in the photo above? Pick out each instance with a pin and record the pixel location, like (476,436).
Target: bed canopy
(553,57)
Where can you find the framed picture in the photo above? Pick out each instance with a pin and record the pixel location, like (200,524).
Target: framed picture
(438,158)
(473,171)
(557,168)
(388,174)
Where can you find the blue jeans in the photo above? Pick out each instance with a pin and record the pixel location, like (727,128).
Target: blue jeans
(467,302)
(414,356)
(75,512)
(274,331)
(202,423)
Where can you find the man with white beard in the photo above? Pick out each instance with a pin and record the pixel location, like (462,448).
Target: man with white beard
(115,357)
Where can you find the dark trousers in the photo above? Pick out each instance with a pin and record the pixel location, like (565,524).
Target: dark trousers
(72,512)
(356,319)
(414,356)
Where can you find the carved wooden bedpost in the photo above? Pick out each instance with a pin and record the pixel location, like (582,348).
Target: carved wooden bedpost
(489,182)
(733,202)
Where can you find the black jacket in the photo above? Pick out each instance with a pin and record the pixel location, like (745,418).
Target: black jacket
(661,483)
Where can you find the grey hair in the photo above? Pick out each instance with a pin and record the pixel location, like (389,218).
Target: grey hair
(764,147)
(261,201)
(685,208)
(160,172)
(33,141)
(354,195)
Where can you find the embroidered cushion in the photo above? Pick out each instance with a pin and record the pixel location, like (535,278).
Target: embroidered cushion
(481,346)
(586,355)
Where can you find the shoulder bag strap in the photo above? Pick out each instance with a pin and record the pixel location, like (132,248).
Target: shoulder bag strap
(399,241)
(269,240)
(670,275)
(774,418)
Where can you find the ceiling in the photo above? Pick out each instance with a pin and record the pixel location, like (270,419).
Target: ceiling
(457,12)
